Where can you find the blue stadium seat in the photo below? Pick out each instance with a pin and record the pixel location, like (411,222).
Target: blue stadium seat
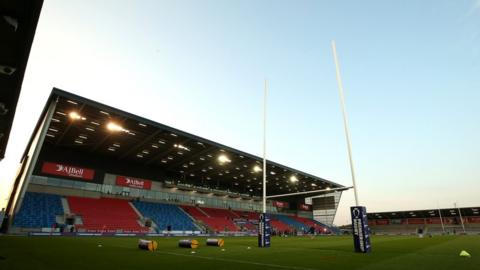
(38,210)
(166,215)
(292,222)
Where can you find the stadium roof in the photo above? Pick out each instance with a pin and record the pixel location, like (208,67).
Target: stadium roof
(17,28)
(85,125)
(429,213)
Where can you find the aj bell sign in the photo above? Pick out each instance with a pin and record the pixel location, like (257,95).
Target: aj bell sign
(67,170)
(361,236)
(133,182)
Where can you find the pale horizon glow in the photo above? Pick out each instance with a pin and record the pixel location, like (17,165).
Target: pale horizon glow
(410,74)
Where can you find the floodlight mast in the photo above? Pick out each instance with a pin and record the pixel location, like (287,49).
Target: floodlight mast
(461,218)
(264,197)
(345,121)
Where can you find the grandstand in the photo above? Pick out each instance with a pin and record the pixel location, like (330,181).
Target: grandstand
(39,210)
(433,221)
(91,168)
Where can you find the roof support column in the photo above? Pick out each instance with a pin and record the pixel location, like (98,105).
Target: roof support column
(23,179)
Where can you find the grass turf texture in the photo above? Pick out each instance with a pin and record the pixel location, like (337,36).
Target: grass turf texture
(300,253)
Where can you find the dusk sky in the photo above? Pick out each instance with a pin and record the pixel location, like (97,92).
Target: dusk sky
(411,74)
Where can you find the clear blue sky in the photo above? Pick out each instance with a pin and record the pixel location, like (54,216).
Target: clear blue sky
(411,73)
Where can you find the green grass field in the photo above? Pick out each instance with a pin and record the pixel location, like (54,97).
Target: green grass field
(405,253)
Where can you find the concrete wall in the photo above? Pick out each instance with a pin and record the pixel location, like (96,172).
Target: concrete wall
(63,191)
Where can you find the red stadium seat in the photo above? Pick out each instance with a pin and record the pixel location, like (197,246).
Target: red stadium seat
(106,215)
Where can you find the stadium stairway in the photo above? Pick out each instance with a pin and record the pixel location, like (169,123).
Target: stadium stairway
(66,207)
(290,221)
(246,215)
(38,210)
(250,226)
(245,220)
(307,222)
(254,216)
(316,224)
(193,211)
(214,218)
(332,229)
(165,215)
(105,215)
(279,226)
(219,213)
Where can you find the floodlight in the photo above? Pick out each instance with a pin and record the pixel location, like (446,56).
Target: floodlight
(75,116)
(115,127)
(223,159)
(293,179)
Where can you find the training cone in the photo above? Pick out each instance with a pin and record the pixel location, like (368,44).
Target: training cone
(463,253)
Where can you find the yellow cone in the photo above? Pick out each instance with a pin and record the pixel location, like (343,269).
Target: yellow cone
(463,253)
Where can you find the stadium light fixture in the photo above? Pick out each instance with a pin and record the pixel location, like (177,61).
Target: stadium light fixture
(115,127)
(75,116)
(257,168)
(179,146)
(223,159)
(293,179)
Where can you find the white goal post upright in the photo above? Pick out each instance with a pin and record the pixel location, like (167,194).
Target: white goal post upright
(441,218)
(264,228)
(361,234)
(345,121)
(460,215)
(264,197)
